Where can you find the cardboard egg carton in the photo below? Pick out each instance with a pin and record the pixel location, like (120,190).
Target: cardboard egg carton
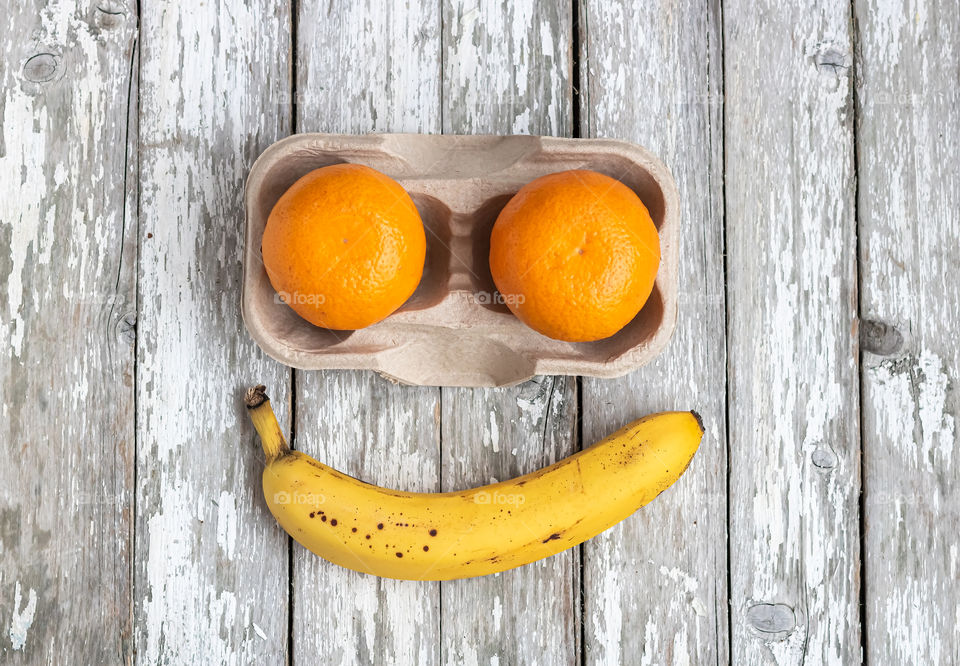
(455,330)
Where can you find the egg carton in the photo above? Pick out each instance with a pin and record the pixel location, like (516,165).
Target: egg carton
(456,330)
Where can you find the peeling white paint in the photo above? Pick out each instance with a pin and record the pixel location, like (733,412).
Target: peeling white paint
(22,617)
(890,18)
(680,655)
(894,401)
(60,175)
(689,584)
(494,432)
(652,654)
(531,410)
(913,392)
(609,624)
(910,416)
(936,424)
(27,208)
(227,523)
(20,199)
(898,615)
(698,607)
(469,656)
(509,69)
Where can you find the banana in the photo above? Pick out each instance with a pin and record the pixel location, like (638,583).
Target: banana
(442,536)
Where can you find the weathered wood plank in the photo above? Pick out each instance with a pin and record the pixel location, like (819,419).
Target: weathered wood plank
(526,615)
(367,67)
(793,347)
(211,579)
(909,184)
(655,586)
(507,70)
(67,298)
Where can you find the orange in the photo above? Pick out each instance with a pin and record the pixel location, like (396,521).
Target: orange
(344,246)
(575,255)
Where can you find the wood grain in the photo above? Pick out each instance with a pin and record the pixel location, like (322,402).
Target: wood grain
(67,306)
(909,185)
(364,67)
(507,70)
(210,579)
(792,327)
(530,614)
(655,586)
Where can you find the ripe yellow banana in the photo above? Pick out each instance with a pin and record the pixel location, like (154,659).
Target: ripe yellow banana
(441,536)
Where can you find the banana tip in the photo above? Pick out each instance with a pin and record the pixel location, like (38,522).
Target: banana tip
(256,396)
(699,419)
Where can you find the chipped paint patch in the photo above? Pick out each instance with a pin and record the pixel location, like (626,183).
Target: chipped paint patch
(227,523)
(22,618)
(912,391)
(187,612)
(689,586)
(936,424)
(906,626)
(531,410)
(682,578)
(609,623)
(652,655)
(494,432)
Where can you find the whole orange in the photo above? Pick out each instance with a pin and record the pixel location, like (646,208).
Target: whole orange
(344,246)
(575,255)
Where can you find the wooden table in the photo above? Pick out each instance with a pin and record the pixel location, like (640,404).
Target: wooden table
(817,152)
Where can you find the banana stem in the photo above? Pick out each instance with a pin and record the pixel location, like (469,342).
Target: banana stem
(265,421)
